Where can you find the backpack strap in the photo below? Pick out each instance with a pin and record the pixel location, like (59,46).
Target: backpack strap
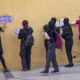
(25,32)
(26,35)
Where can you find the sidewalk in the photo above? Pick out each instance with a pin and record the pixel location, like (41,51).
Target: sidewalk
(65,74)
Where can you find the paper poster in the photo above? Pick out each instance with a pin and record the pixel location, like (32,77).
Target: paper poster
(61,21)
(57,24)
(74,22)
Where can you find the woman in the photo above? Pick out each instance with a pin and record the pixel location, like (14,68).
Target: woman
(25,51)
(67,35)
(1,50)
(51,57)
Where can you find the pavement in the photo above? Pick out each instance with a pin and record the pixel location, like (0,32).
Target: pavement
(34,74)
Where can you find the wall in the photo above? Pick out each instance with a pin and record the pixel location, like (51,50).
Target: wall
(38,13)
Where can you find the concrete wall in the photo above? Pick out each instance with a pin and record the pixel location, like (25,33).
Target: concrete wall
(38,13)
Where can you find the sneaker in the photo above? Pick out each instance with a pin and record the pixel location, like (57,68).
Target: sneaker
(54,72)
(69,65)
(44,73)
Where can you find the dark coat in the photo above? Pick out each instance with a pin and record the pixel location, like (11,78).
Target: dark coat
(52,35)
(23,37)
(67,32)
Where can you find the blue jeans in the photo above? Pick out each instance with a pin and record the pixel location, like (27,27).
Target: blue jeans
(51,57)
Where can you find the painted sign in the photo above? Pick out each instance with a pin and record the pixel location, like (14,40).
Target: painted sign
(5,19)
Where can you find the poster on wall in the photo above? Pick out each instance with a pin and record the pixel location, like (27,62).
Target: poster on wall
(61,21)
(57,24)
(5,19)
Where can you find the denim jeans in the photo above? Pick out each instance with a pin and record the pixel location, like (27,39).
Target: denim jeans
(51,57)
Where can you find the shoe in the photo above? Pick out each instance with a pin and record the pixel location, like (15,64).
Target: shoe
(44,73)
(5,70)
(69,65)
(29,69)
(24,69)
(54,72)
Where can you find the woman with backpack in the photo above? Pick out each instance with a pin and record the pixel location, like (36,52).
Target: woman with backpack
(25,51)
(51,57)
(67,35)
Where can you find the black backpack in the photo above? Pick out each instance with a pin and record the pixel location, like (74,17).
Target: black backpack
(66,33)
(29,39)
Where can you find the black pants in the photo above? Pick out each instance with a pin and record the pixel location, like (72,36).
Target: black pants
(26,58)
(3,61)
(51,57)
(68,45)
(46,46)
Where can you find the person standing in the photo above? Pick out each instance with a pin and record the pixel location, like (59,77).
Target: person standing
(1,50)
(51,57)
(67,35)
(25,51)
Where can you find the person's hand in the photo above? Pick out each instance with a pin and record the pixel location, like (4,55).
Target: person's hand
(3,27)
(16,31)
(46,35)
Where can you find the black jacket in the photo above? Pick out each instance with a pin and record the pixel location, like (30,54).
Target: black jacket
(67,32)
(23,37)
(52,35)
